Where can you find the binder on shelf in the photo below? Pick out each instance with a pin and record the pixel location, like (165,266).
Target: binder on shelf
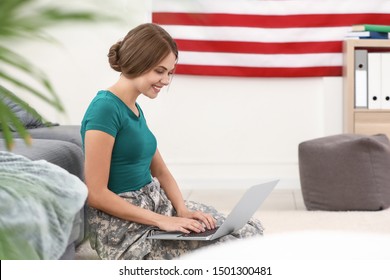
(361,96)
(367,35)
(374,80)
(385,83)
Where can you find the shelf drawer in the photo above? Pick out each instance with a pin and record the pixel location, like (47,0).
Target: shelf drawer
(370,123)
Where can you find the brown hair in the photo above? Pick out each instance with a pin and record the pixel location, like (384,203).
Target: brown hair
(141,50)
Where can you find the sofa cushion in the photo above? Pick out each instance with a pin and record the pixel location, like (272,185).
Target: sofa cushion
(345,172)
(62,153)
(68,133)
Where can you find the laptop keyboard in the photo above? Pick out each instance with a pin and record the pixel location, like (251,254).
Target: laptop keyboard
(207,232)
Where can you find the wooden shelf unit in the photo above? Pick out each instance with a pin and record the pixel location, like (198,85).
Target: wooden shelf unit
(358,120)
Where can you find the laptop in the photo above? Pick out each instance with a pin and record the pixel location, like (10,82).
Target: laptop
(238,217)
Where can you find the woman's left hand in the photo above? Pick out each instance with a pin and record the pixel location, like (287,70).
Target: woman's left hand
(207,220)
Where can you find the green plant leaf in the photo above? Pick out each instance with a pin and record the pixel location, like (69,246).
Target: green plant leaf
(6,94)
(25,18)
(8,117)
(37,93)
(11,250)
(20,22)
(5,130)
(20,63)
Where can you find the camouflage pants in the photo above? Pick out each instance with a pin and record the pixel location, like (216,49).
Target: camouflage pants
(114,238)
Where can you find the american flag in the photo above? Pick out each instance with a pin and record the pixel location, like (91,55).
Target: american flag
(264,38)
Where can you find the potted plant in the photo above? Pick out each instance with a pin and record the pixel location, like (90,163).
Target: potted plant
(20,21)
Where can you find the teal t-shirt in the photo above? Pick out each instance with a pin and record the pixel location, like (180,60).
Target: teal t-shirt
(134,146)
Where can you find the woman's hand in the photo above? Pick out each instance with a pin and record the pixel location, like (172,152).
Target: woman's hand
(185,225)
(206,219)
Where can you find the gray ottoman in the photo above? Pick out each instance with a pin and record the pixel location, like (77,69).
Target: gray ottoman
(345,172)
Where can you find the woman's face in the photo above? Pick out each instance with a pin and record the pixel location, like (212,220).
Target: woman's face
(150,83)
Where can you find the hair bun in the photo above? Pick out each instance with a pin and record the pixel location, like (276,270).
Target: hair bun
(113,56)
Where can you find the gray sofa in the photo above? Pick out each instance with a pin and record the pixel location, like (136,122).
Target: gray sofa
(60,145)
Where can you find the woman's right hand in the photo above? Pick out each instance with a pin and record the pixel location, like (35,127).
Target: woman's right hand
(184,225)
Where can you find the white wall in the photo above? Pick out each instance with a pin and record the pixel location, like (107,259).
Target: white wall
(228,132)
(213,132)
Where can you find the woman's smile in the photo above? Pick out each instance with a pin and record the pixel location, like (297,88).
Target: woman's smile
(157,88)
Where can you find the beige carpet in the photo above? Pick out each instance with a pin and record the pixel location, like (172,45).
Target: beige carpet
(299,220)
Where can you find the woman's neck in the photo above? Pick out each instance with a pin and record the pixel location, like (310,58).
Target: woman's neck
(125,90)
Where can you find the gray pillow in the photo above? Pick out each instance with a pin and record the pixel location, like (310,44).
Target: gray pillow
(27,119)
(345,172)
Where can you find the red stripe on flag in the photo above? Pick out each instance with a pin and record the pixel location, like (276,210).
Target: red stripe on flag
(268,21)
(259,48)
(258,71)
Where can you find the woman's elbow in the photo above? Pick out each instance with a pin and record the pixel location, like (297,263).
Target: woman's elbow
(93,199)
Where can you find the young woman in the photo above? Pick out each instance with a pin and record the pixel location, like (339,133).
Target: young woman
(131,190)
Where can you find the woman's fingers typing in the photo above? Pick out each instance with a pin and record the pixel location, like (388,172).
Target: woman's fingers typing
(194,225)
(206,219)
(184,225)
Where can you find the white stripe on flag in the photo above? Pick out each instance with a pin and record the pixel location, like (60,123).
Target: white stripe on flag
(249,34)
(257,60)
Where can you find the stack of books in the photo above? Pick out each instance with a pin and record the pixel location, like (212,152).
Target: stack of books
(369,31)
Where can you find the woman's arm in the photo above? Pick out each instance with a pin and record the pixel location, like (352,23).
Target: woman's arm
(98,149)
(168,183)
